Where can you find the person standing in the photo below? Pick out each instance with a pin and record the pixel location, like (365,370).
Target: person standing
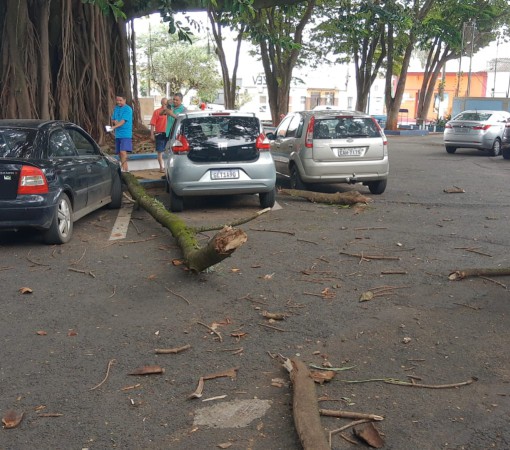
(158,131)
(172,111)
(122,119)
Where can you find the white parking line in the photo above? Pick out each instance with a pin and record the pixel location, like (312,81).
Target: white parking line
(121,224)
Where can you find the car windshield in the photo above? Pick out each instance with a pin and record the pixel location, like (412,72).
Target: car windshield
(230,127)
(474,115)
(16,143)
(342,127)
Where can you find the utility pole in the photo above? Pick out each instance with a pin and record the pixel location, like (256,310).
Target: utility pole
(460,60)
(473,31)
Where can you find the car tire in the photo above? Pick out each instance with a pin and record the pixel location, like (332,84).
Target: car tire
(496,148)
(506,153)
(295,179)
(377,187)
(61,228)
(167,186)
(267,199)
(450,149)
(176,202)
(116,193)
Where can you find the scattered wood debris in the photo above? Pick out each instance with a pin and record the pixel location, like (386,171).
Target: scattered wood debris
(369,434)
(231,373)
(305,407)
(454,190)
(148,370)
(12,419)
(339,198)
(465,273)
(172,351)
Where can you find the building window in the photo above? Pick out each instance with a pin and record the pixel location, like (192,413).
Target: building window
(349,102)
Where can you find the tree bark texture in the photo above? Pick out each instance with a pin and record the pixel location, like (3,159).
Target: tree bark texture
(338,198)
(61,60)
(196,258)
(306,407)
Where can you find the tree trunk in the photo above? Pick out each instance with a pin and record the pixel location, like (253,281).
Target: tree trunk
(197,259)
(338,198)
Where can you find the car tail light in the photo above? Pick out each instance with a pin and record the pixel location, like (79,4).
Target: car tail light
(262,142)
(481,127)
(180,145)
(32,181)
(309,133)
(448,126)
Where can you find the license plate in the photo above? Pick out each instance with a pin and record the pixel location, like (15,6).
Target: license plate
(224,174)
(461,130)
(351,151)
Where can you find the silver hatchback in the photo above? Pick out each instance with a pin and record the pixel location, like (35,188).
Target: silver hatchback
(330,146)
(479,129)
(219,153)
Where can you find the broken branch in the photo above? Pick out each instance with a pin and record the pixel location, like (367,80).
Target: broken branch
(465,273)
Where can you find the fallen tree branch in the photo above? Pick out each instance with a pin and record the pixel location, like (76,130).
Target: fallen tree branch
(235,223)
(172,351)
(197,259)
(465,273)
(363,256)
(338,198)
(110,363)
(306,407)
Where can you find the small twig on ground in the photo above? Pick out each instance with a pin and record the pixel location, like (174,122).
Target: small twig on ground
(139,241)
(212,330)
(369,228)
(495,282)
(476,308)
(81,257)
(270,326)
(110,363)
(178,295)
(35,262)
(114,290)
(72,269)
(473,250)
(6,268)
(273,231)
(136,228)
(345,427)
(171,351)
(349,415)
(309,242)
(368,257)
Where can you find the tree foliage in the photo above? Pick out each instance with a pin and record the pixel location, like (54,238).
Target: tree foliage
(185,66)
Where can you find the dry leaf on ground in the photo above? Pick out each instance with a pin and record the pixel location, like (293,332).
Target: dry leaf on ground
(12,419)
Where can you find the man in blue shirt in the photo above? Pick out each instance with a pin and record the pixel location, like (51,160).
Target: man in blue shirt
(122,119)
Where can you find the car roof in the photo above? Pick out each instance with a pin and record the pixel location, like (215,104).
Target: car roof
(332,113)
(29,123)
(486,111)
(224,113)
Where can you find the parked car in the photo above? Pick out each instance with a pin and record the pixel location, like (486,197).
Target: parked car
(331,146)
(219,153)
(478,129)
(52,173)
(505,142)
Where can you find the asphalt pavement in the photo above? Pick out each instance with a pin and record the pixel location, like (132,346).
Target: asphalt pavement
(363,289)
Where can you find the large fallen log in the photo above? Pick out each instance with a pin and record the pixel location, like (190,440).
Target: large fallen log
(196,258)
(338,198)
(306,407)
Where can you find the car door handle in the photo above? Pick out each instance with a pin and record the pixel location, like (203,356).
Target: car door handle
(89,168)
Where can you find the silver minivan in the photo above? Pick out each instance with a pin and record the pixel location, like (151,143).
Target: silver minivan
(331,146)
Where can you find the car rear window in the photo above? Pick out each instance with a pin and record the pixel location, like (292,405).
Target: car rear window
(221,138)
(16,143)
(345,127)
(477,116)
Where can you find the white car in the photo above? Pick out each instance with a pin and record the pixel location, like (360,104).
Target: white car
(478,129)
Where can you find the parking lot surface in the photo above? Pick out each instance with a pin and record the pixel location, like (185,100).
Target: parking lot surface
(364,287)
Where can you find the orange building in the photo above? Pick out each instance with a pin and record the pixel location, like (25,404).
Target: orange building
(440,109)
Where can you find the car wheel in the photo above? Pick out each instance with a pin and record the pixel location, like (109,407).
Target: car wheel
(295,179)
(377,187)
(450,149)
(176,202)
(267,199)
(496,148)
(506,153)
(61,228)
(167,185)
(116,194)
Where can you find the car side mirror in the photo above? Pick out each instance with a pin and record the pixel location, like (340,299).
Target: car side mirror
(271,136)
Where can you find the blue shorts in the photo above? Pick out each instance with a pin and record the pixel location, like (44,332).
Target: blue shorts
(123,145)
(160,142)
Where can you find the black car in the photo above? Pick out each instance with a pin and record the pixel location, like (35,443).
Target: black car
(53,173)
